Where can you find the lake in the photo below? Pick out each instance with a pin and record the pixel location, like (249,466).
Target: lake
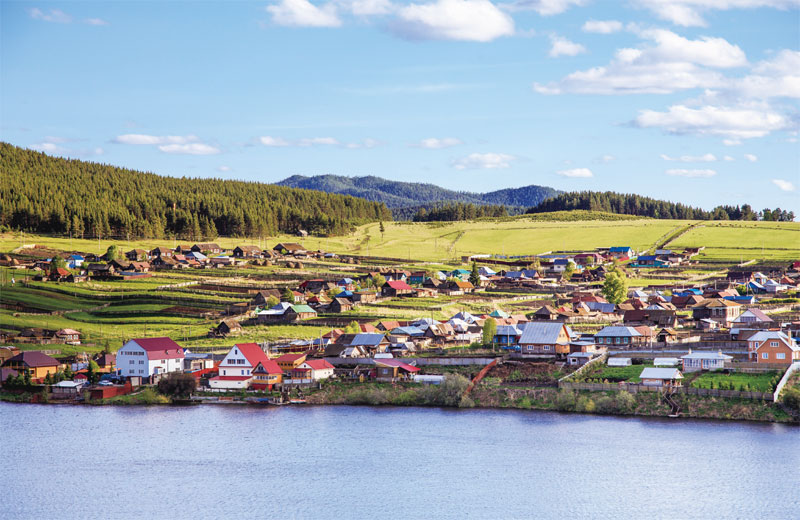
(363,462)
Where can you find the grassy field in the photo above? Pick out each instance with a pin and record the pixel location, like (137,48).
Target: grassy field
(737,241)
(757,382)
(628,374)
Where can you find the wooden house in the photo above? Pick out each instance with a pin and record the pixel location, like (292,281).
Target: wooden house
(247,252)
(340,305)
(543,338)
(207,248)
(396,288)
(652,376)
(34,363)
(299,312)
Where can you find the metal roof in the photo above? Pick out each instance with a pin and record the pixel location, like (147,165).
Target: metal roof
(660,373)
(367,339)
(611,331)
(542,333)
(707,355)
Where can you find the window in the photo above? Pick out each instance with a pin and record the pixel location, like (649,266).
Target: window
(141,362)
(547,347)
(131,362)
(242,372)
(765,355)
(780,355)
(773,343)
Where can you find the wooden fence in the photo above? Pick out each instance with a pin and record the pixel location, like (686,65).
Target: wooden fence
(635,388)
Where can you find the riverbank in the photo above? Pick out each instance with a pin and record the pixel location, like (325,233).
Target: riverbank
(451,394)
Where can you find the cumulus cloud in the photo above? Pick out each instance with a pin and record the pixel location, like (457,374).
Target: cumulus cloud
(368,7)
(667,63)
(602,26)
(581,173)
(189,149)
(95,21)
(466,20)
(53,145)
(607,158)
(312,141)
(728,158)
(560,46)
(689,13)
(750,157)
(489,161)
(273,141)
(680,172)
(784,185)
(731,142)
(302,13)
(279,142)
(730,122)
(776,77)
(433,143)
(543,7)
(223,168)
(708,157)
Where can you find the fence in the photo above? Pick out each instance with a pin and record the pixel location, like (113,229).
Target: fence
(589,363)
(789,371)
(636,388)
(336,361)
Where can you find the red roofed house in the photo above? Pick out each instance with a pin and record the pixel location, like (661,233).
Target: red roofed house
(144,357)
(391,370)
(396,288)
(236,368)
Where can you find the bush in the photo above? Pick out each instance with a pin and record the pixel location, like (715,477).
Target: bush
(791,398)
(525,402)
(626,403)
(606,405)
(565,401)
(178,385)
(585,404)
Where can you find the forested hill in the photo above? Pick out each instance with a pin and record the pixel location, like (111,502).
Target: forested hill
(406,198)
(630,204)
(40,193)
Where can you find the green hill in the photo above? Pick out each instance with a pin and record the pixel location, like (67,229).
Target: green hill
(405,198)
(46,194)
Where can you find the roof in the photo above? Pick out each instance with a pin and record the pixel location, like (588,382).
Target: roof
(615,331)
(757,313)
(707,355)
(399,285)
(269,366)
(165,347)
(367,339)
(302,308)
(252,352)
(34,358)
(617,249)
(497,313)
(766,335)
(396,363)
(507,330)
(666,361)
(318,364)
(542,333)
(660,373)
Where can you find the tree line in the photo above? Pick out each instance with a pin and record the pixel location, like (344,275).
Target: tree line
(632,204)
(458,211)
(46,194)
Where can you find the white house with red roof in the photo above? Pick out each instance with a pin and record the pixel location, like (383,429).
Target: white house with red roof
(236,368)
(145,357)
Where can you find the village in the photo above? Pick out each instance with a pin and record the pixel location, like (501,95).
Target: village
(558,321)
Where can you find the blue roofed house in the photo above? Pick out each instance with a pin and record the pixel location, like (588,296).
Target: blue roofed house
(650,261)
(371,342)
(547,338)
(486,271)
(507,336)
(75,261)
(620,252)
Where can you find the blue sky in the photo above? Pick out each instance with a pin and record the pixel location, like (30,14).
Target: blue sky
(693,101)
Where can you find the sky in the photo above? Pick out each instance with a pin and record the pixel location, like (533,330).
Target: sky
(693,101)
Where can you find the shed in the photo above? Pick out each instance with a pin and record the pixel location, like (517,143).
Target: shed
(619,362)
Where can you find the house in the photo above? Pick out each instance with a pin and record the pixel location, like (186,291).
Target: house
(68,336)
(75,261)
(299,312)
(507,336)
(160,252)
(652,376)
(106,362)
(546,312)
(59,274)
(311,370)
(686,301)
(235,371)
(67,389)
(365,296)
(164,262)
(578,359)
(288,362)
(145,357)
(667,335)
(340,305)
(226,327)
(207,248)
(137,255)
(769,346)
(396,288)
(262,296)
(618,336)
(371,342)
(650,261)
(753,317)
(393,370)
(290,248)
(588,259)
(34,363)
(620,253)
(724,312)
(100,270)
(7,353)
(545,338)
(247,252)
(694,361)
(266,375)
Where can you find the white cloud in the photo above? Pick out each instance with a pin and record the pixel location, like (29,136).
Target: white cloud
(783,184)
(543,7)
(466,20)
(273,141)
(607,158)
(302,13)
(154,139)
(311,141)
(778,77)
(728,158)
(368,7)
(48,148)
(490,161)
(53,15)
(95,21)
(581,173)
(52,145)
(560,46)
(433,143)
(680,172)
(670,63)
(223,168)
(189,149)
(750,157)
(734,123)
(731,142)
(366,143)
(602,26)
(689,13)
(708,157)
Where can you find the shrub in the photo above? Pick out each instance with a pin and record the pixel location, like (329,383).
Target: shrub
(585,404)
(625,402)
(178,385)
(525,402)
(606,405)
(565,401)
(791,398)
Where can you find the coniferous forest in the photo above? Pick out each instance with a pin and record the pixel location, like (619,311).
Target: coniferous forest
(45,194)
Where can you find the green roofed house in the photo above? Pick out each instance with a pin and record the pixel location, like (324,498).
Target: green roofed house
(300,312)
(499,314)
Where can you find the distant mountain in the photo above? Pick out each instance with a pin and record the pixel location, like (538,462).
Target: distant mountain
(405,198)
